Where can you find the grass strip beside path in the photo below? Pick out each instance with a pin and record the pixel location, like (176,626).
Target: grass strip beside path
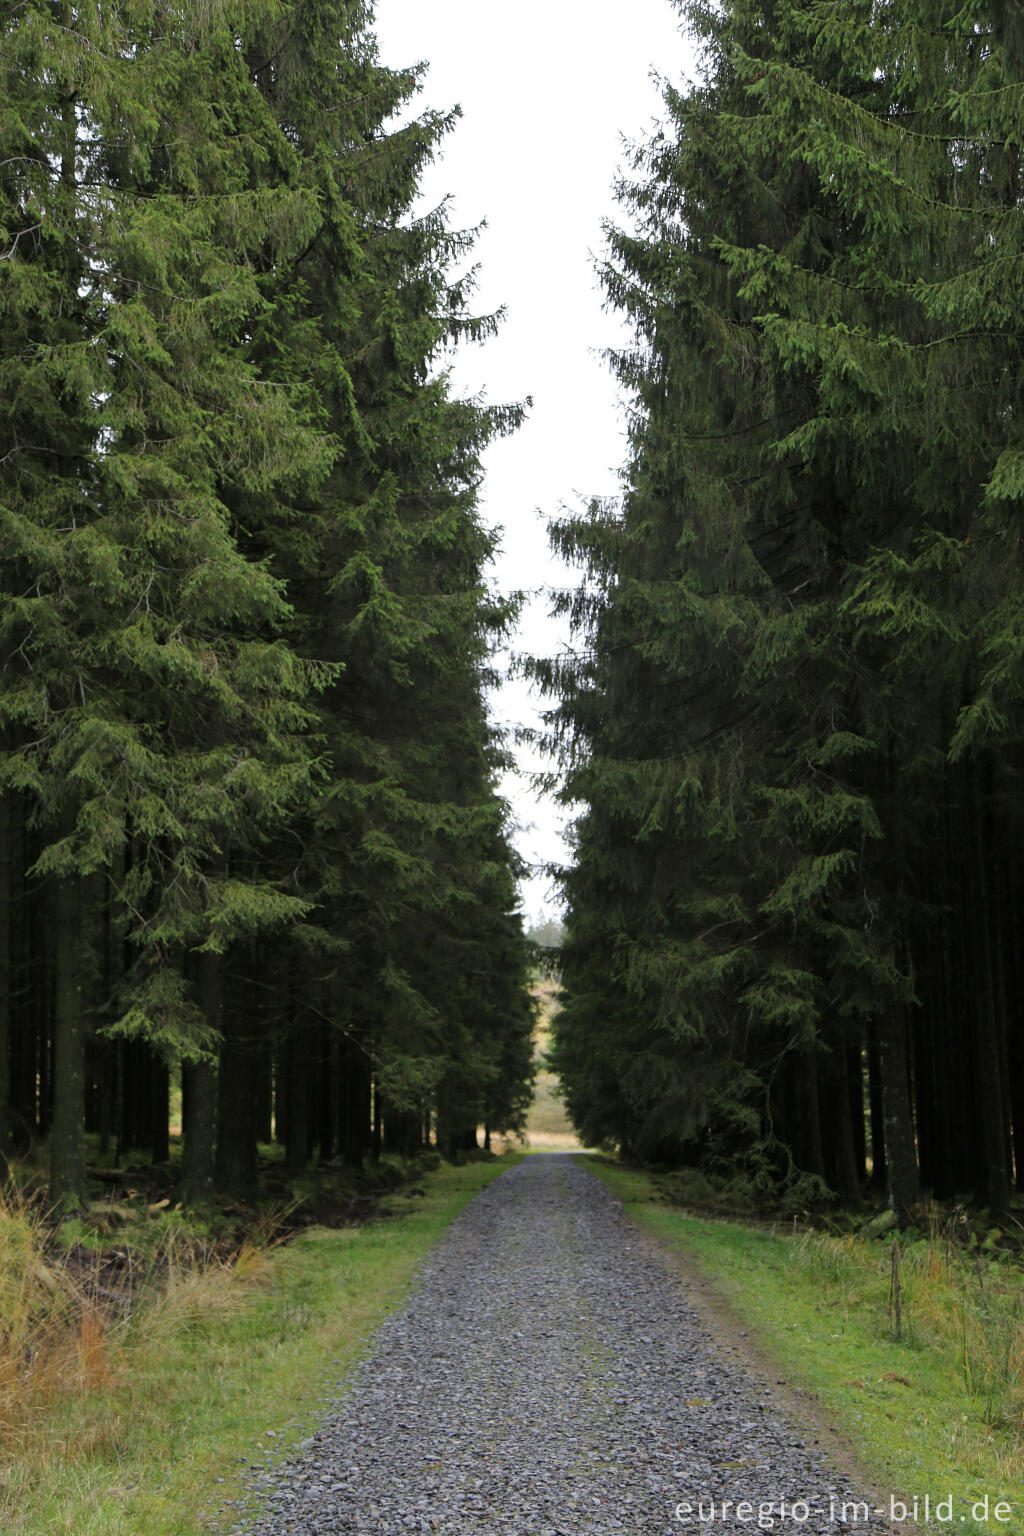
(937,1412)
(227,1367)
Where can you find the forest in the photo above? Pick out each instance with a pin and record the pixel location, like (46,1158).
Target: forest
(250,835)
(251,838)
(792,724)
(275,1034)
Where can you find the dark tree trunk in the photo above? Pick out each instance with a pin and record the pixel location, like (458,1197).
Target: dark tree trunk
(159,1110)
(6,876)
(297,1137)
(378,1123)
(1015,1018)
(811,1148)
(67,1136)
(879,1170)
(26,921)
(263,1091)
(106,1098)
(199,1094)
(901,1155)
(855,1093)
(236,1106)
(43,1009)
(357,1106)
(963,1150)
(937,1051)
(135,1116)
(990,1109)
(325,1091)
(844,1174)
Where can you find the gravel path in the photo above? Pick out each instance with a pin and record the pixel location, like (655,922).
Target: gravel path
(547,1379)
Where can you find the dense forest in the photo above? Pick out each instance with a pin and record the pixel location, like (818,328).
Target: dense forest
(249,826)
(251,840)
(792,723)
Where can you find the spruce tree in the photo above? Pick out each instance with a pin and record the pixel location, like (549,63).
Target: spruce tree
(148,696)
(791,649)
(385,568)
(249,778)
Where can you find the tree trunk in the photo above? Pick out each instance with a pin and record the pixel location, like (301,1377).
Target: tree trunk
(67,1136)
(855,1093)
(297,1131)
(879,1171)
(990,1109)
(378,1123)
(199,1094)
(1015,1024)
(844,1173)
(809,1119)
(159,1110)
(356,1126)
(6,872)
(326,1097)
(236,1107)
(901,1154)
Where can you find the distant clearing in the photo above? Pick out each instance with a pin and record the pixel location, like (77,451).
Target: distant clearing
(548,1127)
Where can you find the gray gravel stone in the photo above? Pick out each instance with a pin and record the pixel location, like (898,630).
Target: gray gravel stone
(547,1379)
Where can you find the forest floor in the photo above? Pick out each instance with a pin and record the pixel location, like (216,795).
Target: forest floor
(550,1378)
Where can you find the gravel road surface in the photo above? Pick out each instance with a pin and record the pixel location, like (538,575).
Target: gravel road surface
(548,1379)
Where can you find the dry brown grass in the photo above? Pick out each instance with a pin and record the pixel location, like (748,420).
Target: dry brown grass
(54,1340)
(66,1343)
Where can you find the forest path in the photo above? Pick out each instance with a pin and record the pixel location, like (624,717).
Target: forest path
(547,1378)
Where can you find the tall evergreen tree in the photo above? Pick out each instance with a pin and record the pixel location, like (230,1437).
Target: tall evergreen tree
(780,656)
(244,621)
(149,696)
(385,566)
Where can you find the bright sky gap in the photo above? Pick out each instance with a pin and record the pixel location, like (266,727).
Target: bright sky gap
(549,93)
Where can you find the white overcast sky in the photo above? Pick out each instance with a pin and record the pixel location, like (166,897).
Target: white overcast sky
(549,89)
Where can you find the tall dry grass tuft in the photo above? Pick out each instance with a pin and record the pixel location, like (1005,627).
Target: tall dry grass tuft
(54,1341)
(70,1348)
(199,1286)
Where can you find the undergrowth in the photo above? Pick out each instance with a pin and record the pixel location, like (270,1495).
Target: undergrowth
(71,1333)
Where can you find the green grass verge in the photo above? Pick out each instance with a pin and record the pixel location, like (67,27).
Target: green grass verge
(226,1368)
(935,1413)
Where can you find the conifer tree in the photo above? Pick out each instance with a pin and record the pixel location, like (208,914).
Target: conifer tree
(385,565)
(249,803)
(791,648)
